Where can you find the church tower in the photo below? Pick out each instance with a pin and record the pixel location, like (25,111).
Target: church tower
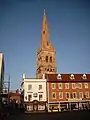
(46,54)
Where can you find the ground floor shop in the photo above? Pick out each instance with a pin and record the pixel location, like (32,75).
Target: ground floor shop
(68,106)
(35,106)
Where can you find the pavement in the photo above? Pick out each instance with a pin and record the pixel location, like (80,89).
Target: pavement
(76,115)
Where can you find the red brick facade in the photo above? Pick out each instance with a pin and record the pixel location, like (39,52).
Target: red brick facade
(68,88)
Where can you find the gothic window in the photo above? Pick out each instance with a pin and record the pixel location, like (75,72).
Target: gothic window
(50,59)
(50,70)
(46,58)
(47,44)
(43,32)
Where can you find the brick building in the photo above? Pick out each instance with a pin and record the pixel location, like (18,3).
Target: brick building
(14,96)
(68,91)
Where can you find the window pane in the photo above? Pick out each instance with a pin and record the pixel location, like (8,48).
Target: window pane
(87,94)
(80,94)
(86,85)
(53,85)
(60,85)
(67,85)
(60,95)
(40,87)
(67,95)
(53,95)
(40,97)
(29,97)
(29,87)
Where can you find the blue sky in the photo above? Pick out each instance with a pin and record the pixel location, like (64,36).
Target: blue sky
(20,32)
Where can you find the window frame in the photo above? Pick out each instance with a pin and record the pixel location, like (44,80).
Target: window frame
(41,97)
(66,95)
(52,95)
(60,84)
(29,98)
(67,84)
(80,87)
(54,85)
(88,95)
(75,93)
(80,93)
(61,95)
(39,87)
(86,84)
(29,86)
(73,85)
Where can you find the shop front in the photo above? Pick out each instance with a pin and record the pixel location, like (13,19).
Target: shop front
(35,106)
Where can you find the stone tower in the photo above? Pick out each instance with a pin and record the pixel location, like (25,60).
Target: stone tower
(46,54)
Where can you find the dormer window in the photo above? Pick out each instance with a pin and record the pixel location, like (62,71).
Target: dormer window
(84,76)
(59,76)
(71,76)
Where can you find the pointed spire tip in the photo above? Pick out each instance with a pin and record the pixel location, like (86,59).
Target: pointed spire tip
(44,11)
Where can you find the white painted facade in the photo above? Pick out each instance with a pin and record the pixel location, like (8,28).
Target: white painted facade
(34,89)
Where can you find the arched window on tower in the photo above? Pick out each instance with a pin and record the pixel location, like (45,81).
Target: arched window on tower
(51,59)
(46,58)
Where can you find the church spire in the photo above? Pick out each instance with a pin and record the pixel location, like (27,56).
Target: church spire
(45,39)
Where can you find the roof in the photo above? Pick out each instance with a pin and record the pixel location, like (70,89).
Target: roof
(68,77)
